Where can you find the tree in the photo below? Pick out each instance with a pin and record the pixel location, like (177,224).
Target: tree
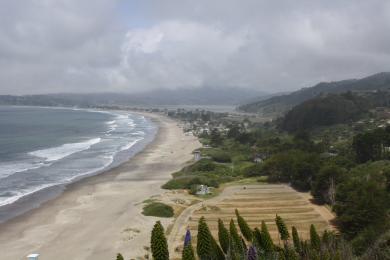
(315,241)
(215,138)
(188,253)
(204,246)
(244,227)
(296,240)
(237,243)
(282,228)
(119,257)
(266,239)
(159,245)
(223,236)
(324,186)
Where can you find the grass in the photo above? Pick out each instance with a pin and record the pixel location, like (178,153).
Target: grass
(158,209)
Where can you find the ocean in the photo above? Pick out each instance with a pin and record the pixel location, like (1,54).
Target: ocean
(41,148)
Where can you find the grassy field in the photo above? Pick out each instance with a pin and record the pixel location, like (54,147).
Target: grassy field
(262,202)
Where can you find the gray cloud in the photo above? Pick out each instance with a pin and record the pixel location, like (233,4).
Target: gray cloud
(105,45)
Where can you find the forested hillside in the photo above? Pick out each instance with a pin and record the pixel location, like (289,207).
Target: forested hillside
(279,104)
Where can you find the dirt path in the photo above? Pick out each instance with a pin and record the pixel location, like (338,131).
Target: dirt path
(180,225)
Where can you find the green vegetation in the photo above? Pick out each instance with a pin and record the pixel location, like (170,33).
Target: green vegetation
(223,236)
(158,243)
(345,166)
(325,110)
(244,227)
(158,209)
(330,246)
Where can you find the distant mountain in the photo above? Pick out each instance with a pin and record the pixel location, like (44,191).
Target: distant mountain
(197,96)
(278,105)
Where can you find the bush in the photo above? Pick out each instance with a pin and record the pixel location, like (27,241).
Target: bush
(203,165)
(158,209)
(253,170)
(221,156)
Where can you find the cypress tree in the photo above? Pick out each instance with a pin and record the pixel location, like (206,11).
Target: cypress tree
(244,245)
(119,257)
(252,253)
(282,228)
(257,238)
(315,241)
(237,243)
(223,236)
(296,240)
(266,239)
(326,236)
(244,227)
(217,251)
(204,246)
(159,245)
(188,253)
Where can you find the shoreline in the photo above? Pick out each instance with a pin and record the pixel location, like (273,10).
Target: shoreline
(66,227)
(35,199)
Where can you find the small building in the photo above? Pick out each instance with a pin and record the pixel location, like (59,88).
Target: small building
(32,257)
(258,160)
(202,190)
(197,155)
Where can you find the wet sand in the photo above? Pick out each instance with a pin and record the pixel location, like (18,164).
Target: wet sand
(100,216)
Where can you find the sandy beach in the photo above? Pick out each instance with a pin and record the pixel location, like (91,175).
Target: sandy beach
(98,217)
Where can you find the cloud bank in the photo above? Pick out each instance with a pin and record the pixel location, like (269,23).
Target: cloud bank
(51,46)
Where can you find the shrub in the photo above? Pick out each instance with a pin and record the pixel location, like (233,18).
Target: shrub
(221,157)
(158,209)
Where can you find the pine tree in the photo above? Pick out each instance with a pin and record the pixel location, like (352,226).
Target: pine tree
(282,228)
(252,253)
(296,240)
(119,257)
(204,246)
(315,241)
(266,239)
(159,245)
(188,253)
(237,243)
(244,227)
(223,236)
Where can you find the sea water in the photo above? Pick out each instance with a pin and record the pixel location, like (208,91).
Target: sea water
(45,147)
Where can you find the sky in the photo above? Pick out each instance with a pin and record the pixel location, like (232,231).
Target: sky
(52,46)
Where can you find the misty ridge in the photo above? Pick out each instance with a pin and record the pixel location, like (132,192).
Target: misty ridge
(197,96)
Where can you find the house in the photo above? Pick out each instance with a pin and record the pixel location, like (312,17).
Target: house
(32,257)
(202,190)
(197,156)
(258,160)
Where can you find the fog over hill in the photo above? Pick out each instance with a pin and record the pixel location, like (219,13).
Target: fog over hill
(197,96)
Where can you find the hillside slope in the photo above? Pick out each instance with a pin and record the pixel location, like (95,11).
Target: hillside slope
(280,104)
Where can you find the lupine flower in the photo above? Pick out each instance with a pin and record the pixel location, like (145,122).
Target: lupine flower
(187,238)
(252,254)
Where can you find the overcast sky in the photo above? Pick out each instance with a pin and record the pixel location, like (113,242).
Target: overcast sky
(125,46)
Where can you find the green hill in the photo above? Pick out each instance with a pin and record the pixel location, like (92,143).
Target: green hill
(278,105)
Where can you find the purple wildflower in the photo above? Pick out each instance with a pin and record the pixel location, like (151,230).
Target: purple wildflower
(252,254)
(187,238)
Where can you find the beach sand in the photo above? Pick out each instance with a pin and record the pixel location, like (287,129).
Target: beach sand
(100,216)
